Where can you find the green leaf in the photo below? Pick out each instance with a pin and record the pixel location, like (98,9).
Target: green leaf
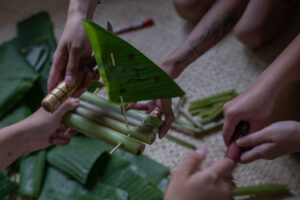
(95,85)
(137,184)
(6,185)
(163,184)
(154,170)
(134,76)
(59,186)
(16,115)
(32,170)
(84,159)
(16,77)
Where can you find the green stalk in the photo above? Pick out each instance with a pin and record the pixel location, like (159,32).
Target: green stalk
(183,123)
(190,118)
(208,128)
(92,129)
(180,141)
(184,129)
(138,133)
(210,110)
(214,116)
(6,185)
(211,100)
(267,189)
(180,104)
(101,102)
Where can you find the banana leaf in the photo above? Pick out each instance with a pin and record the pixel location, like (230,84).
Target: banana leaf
(6,185)
(134,76)
(154,170)
(16,115)
(137,184)
(94,86)
(59,186)
(163,184)
(16,77)
(32,170)
(37,42)
(84,159)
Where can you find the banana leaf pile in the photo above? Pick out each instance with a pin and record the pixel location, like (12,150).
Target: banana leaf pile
(85,170)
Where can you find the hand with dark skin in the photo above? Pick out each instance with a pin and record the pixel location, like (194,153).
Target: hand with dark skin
(213,182)
(216,23)
(74,47)
(39,131)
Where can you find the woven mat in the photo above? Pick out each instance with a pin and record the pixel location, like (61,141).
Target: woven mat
(228,65)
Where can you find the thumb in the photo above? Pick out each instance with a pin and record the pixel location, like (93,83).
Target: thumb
(70,104)
(190,163)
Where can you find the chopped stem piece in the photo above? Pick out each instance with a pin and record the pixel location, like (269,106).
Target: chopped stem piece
(190,118)
(267,189)
(181,141)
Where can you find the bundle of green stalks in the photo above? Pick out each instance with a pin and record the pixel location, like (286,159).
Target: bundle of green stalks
(205,115)
(97,118)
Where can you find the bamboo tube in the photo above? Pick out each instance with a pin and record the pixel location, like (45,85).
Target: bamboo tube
(137,133)
(92,129)
(256,190)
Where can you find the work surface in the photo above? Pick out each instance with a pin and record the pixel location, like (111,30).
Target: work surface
(228,65)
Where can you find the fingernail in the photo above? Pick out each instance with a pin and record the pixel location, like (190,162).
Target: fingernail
(239,141)
(75,101)
(69,79)
(201,151)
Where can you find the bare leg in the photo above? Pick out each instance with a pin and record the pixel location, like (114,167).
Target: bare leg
(192,10)
(263,20)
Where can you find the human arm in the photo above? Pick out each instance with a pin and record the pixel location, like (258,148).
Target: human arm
(214,182)
(255,105)
(36,132)
(74,47)
(271,142)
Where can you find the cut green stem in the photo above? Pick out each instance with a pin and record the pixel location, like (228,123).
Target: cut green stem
(190,118)
(180,141)
(92,129)
(143,135)
(257,190)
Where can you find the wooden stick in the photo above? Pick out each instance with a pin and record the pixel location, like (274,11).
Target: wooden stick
(115,148)
(112,59)
(67,132)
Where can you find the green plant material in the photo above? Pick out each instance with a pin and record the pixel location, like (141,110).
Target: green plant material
(16,115)
(210,127)
(183,123)
(134,76)
(258,190)
(180,142)
(58,186)
(103,103)
(179,104)
(217,114)
(37,42)
(84,159)
(137,184)
(187,130)
(190,118)
(154,170)
(206,112)
(103,133)
(94,86)
(211,100)
(16,77)
(6,185)
(135,132)
(32,169)
(163,184)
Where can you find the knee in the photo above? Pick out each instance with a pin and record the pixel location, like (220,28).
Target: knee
(251,37)
(191,10)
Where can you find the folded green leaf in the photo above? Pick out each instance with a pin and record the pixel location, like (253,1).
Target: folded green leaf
(16,115)
(32,170)
(154,170)
(16,77)
(6,185)
(84,159)
(59,186)
(131,75)
(137,184)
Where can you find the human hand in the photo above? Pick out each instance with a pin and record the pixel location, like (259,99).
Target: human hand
(46,128)
(271,142)
(253,106)
(213,183)
(72,52)
(157,108)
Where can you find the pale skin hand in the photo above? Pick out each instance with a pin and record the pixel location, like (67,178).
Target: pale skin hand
(74,47)
(271,142)
(39,131)
(255,105)
(214,182)
(218,21)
